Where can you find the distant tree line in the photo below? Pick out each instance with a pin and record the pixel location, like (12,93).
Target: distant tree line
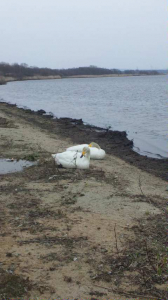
(21,70)
(141,72)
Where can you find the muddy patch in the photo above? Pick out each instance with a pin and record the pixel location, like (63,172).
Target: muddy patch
(13,286)
(5,123)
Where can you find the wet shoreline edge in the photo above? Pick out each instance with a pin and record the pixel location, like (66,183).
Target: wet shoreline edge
(114,142)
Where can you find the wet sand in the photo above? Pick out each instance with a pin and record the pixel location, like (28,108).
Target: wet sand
(79,234)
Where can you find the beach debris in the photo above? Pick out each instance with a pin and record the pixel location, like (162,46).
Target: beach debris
(52,177)
(9,254)
(31,157)
(103,250)
(67,279)
(75,259)
(10,159)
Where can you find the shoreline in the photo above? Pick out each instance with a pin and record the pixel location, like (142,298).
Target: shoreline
(141,142)
(113,141)
(82,229)
(5,79)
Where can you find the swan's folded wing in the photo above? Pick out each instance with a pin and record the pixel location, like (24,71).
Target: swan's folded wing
(78,148)
(97,153)
(67,159)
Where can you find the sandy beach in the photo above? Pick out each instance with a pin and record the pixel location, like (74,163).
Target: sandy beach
(6,79)
(79,234)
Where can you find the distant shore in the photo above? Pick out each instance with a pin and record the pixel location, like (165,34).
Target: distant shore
(5,79)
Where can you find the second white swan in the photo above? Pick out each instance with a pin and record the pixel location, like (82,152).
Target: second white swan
(95,151)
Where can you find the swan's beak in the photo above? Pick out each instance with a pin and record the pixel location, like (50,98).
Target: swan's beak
(90,145)
(83,153)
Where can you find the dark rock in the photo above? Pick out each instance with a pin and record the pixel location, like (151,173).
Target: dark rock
(77,121)
(41,112)
(29,111)
(70,120)
(9,254)
(48,116)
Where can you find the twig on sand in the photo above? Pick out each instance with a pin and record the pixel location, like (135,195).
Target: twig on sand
(148,257)
(140,186)
(103,287)
(116,239)
(124,292)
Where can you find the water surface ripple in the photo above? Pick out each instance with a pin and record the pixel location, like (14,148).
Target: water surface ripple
(137,105)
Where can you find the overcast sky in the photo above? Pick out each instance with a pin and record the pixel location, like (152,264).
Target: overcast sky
(124,34)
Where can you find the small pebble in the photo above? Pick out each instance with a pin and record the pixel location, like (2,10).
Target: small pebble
(75,259)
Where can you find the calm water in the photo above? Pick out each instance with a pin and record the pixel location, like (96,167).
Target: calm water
(13,166)
(135,104)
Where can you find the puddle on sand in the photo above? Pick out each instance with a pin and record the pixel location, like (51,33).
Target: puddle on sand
(11,166)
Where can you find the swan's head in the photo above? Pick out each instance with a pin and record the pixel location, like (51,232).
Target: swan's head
(85,152)
(95,145)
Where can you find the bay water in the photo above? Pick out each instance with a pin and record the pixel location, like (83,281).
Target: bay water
(135,104)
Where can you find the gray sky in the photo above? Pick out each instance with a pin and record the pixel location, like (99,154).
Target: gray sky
(72,33)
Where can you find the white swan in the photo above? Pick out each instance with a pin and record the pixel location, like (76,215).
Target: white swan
(73,159)
(95,151)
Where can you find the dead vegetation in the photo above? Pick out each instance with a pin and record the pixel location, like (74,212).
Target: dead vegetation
(13,286)
(141,262)
(5,123)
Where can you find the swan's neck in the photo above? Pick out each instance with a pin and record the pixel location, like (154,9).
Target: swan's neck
(95,145)
(87,156)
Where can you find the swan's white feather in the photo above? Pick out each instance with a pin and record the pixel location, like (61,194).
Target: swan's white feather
(73,159)
(95,151)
